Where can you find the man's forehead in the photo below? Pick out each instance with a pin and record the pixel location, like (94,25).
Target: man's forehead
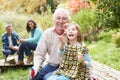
(61,14)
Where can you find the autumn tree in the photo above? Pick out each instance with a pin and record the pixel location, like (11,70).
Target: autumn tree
(108,13)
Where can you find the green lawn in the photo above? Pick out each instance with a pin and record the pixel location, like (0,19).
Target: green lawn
(105,53)
(15,74)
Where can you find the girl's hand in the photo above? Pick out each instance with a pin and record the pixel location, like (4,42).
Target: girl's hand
(61,39)
(93,77)
(80,57)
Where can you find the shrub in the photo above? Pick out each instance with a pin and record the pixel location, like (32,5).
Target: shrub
(116,39)
(86,18)
(107,13)
(106,35)
(2,30)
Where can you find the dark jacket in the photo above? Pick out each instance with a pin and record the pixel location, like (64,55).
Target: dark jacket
(5,43)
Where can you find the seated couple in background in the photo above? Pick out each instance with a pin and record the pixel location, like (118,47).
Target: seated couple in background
(11,40)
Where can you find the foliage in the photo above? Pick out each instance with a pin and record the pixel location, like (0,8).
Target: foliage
(106,35)
(29,6)
(86,18)
(2,29)
(17,21)
(116,39)
(108,13)
(76,5)
(53,4)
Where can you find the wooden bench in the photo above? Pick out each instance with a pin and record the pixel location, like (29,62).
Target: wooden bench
(13,58)
(104,72)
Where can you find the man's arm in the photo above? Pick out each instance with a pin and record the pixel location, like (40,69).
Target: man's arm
(16,35)
(40,52)
(4,42)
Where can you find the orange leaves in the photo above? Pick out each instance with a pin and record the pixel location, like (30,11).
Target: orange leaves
(76,5)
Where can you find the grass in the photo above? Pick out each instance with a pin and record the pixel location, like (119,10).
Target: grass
(15,74)
(105,53)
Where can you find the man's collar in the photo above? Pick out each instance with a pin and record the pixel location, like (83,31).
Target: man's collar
(54,30)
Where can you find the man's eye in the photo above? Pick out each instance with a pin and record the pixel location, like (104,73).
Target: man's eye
(64,18)
(58,18)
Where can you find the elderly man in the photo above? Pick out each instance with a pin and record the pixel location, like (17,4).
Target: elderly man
(9,41)
(49,44)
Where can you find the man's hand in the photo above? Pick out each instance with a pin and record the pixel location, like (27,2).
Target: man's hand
(15,48)
(21,40)
(32,73)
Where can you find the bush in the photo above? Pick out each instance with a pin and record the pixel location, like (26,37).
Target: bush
(85,18)
(107,13)
(116,39)
(106,35)
(1,32)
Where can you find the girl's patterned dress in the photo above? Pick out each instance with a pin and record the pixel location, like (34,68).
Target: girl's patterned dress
(70,66)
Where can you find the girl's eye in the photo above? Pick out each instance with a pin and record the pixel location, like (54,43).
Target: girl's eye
(68,30)
(73,29)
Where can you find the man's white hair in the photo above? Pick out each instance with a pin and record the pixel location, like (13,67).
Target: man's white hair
(61,10)
(8,25)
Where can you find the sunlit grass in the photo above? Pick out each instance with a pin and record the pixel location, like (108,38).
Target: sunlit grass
(105,53)
(15,74)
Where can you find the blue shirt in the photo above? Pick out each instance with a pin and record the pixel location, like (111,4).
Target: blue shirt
(35,35)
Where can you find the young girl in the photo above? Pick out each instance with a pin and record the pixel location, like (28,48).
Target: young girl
(76,61)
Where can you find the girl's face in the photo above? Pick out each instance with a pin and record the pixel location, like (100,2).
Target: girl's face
(72,33)
(31,25)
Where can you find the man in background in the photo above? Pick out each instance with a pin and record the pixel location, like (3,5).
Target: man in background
(10,41)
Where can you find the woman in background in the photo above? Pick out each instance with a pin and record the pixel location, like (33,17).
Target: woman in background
(30,44)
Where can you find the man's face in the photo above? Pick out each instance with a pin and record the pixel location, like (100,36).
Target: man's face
(60,20)
(9,30)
